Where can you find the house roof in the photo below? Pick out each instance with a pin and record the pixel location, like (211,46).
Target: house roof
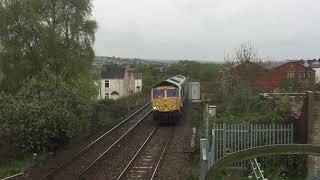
(113,73)
(274,64)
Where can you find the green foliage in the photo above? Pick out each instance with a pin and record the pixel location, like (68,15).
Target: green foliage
(46,82)
(17,166)
(107,112)
(14,167)
(242,104)
(237,102)
(44,34)
(45,113)
(286,166)
(197,116)
(295,85)
(206,73)
(151,74)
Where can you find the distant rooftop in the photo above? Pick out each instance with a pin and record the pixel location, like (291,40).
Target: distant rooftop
(274,64)
(113,73)
(118,73)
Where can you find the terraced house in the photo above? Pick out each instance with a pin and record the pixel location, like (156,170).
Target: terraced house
(118,82)
(271,76)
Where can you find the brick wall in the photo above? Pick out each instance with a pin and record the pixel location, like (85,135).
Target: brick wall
(313,131)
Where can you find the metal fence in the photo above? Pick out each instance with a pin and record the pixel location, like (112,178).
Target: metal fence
(228,138)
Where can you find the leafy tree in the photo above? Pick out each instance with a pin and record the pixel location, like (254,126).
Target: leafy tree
(53,34)
(206,73)
(151,74)
(297,85)
(46,74)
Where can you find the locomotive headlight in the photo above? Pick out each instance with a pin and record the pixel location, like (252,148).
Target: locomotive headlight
(154,108)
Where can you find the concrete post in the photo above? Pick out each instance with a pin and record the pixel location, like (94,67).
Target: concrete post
(313,99)
(203,158)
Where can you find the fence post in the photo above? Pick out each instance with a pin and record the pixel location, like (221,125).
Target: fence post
(203,158)
(206,119)
(224,139)
(212,150)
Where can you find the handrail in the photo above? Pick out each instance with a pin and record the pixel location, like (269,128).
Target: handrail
(262,151)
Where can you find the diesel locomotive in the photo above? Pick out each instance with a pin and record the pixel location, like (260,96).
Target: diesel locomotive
(168,99)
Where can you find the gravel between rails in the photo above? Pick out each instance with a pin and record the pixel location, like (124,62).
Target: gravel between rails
(146,161)
(176,164)
(111,165)
(72,169)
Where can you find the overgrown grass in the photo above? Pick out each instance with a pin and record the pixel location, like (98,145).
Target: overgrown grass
(108,112)
(195,156)
(17,166)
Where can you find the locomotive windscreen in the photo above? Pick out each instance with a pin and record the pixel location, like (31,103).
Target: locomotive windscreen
(172,93)
(158,93)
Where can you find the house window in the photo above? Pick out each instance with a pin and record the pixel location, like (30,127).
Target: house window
(290,75)
(106,84)
(107,96)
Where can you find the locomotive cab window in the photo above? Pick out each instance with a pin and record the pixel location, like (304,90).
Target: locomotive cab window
(172,93)
(158,93)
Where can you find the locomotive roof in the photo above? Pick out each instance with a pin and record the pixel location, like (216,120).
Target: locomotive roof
(176,81)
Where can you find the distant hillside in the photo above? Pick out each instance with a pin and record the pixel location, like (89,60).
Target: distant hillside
(122,61)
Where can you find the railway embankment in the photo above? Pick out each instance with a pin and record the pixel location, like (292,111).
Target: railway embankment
(107,117)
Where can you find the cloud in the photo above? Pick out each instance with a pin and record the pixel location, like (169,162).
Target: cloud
(205,29)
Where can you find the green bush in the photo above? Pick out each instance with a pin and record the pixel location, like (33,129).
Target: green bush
(45,113)
(108,111)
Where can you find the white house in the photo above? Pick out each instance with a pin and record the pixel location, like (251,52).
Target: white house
(317,74)
(118,82)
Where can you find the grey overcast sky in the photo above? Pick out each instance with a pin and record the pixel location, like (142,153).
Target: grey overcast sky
(207,29)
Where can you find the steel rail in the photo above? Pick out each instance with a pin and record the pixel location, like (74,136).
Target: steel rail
(160,159)
(110,147)
(13,176)
(134,157)
(74,156)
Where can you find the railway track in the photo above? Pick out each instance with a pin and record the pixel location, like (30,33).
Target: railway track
(144,164)
(78,164)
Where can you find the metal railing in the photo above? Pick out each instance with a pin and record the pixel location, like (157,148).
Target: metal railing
(229,138)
